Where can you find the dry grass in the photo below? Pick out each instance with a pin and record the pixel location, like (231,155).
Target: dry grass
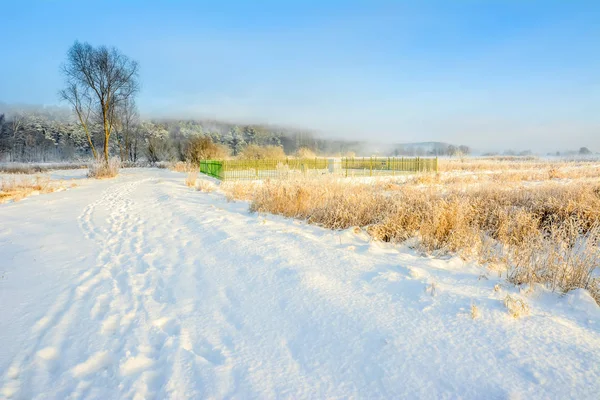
(190,180)
(544,233)
(507,163)
(180,166)
(516,307)
(100,169)
(204,185)
(15,189)
(240,190)
(305,152)
(557,171)
(34,168)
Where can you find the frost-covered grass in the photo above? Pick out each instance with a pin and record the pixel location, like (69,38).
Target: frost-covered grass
(43,167)
(547,232)
(475,164)
(15,188)
(179,166)
(101,169)
(192,176)
(32,168)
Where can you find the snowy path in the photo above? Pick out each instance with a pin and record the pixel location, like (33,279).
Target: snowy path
(142,288)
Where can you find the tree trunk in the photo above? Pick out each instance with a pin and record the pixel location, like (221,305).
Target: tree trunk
(91,145)
(87,133)
(107,129)
(106,149)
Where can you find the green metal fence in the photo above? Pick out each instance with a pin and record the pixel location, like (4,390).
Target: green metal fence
(212,168)
(388,166)
(261,169)
(284,168)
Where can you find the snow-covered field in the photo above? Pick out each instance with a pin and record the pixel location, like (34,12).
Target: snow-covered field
(140,287)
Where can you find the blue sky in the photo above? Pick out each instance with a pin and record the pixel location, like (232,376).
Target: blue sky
(491,74)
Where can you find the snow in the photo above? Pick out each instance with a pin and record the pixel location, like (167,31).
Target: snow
(140,287)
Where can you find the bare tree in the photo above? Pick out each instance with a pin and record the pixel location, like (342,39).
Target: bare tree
(465,150)
(18,140)
(5,144)
(125,126)
(81,102)
(109,77)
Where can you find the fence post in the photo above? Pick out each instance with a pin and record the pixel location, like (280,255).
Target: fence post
(371,166)
(331,165)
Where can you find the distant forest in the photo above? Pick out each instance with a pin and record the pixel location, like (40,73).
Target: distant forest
(100,86)
(30,134)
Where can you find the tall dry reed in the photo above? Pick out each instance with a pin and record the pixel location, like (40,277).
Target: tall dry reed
(546,233)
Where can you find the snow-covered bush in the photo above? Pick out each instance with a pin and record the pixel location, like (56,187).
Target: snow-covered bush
(100,169)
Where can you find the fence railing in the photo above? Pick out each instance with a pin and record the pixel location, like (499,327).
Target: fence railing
(262,169)
(283,168)
(212,168)
(388,166)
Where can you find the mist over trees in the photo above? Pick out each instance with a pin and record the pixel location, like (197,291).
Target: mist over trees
(29,134)
(100,88)
(47,134)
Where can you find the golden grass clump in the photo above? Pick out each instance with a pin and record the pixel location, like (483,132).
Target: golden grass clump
(240,190)
(16,189)
(204,185)
(190,180)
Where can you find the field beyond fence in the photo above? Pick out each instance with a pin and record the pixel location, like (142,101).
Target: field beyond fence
(262,169)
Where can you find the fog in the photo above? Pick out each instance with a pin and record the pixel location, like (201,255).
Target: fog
(510,76)
(569,125)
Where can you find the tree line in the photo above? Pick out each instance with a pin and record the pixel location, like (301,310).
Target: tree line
(53,134)
(30,134)
(100,86)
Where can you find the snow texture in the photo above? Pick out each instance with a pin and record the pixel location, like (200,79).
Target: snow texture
(140,287)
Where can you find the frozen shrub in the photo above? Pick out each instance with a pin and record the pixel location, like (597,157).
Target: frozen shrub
(101,169)
(516,307)
(205,186)
(190,181)
(203,148)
